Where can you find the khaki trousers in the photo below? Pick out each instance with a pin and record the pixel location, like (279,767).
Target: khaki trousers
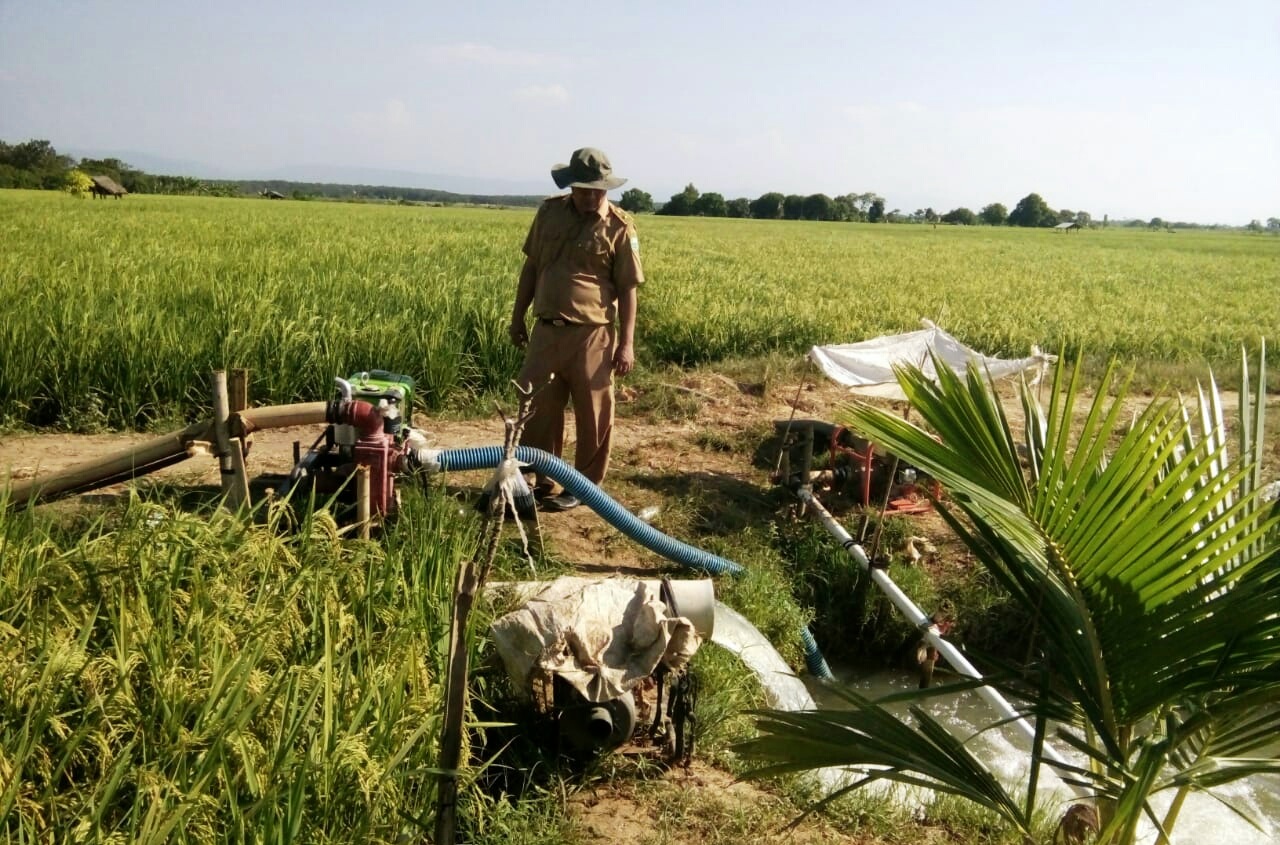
(571,362)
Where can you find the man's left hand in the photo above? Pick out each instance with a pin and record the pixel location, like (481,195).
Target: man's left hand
(624,358)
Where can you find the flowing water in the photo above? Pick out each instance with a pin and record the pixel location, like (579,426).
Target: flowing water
(782,689)
(1203,820)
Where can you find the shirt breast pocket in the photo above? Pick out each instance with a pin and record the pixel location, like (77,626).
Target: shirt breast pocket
(592,256)
(592,245)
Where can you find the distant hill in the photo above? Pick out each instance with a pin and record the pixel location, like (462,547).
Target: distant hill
(377,180)
(343,191)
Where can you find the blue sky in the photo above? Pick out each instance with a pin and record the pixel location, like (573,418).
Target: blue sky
(1123,108)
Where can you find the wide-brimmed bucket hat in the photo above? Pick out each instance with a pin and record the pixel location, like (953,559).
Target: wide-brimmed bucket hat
(587,168)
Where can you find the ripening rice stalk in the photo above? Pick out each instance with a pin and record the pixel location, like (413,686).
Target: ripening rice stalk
(179,677)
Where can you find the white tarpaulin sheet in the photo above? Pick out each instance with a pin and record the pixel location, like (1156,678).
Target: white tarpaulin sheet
(602,636)
(867,367)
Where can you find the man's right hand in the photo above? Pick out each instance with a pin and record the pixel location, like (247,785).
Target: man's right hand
(518,333)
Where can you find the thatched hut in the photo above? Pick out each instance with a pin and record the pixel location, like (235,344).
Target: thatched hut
(273,195)
(105,186)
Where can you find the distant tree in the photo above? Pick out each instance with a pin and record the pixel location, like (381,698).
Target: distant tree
(636,201)
(994,214)
(1156,223)
(793,207)
(741,207)
(767,206)
(1273,223)
(875,214)
(1106,220)
(682,204)
(930,216)
(960,216)
(43,165)
(819,207)
(1032,211)
(711,205)
(1254,225)
(1084,218)
(846,207)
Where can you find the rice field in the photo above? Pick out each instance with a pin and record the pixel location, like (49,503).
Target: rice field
(179,676)
(115,312)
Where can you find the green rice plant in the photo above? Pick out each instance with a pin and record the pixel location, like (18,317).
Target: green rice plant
(116,315)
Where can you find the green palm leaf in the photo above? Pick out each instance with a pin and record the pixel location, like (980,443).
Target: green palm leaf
(870,741)
(1147,559)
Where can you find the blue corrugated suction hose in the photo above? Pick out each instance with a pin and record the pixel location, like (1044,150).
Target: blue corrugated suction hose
(544,463)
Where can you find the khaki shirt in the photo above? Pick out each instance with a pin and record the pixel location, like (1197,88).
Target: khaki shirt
(582,261)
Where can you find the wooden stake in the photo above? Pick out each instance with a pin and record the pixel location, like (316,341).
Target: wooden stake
(239,388)
(238,496)
(362,500)
(222,433)
(472,575)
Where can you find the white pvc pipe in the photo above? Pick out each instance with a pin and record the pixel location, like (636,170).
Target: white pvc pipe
(918,618)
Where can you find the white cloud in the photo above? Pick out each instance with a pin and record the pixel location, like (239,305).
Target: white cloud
(8,76)
(543,95)
(487,55)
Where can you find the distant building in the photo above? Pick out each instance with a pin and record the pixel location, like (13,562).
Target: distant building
(105,186)
(1068,226)
(273,195)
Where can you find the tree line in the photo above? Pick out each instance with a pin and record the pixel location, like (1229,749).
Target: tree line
(1031,211)
(36,164)
(870,207)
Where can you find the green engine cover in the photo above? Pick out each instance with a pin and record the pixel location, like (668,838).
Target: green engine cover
(376,385)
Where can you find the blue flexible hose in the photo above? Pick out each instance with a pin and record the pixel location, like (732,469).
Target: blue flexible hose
(544,463)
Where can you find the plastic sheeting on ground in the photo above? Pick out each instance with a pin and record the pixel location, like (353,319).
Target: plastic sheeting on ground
(867,367)
(603,636)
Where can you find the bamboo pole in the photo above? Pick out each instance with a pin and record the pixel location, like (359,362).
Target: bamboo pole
(278,416)
(362,500)
(136,460)
(221,414)
(120,465)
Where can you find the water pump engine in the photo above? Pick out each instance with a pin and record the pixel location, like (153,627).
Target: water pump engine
(369,426)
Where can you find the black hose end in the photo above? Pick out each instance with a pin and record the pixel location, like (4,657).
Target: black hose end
(526,506)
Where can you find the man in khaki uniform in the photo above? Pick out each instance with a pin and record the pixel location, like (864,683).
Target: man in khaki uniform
(581,271)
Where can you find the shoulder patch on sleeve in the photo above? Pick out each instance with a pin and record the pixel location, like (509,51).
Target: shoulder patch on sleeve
(635,242)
